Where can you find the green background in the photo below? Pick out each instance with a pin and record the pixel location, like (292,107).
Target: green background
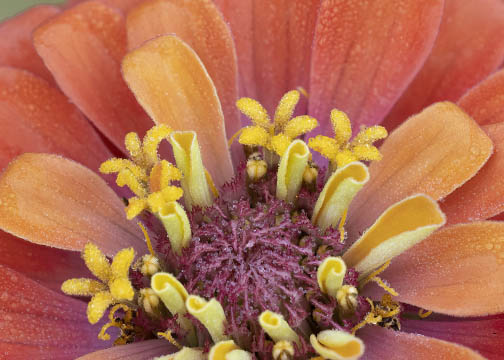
(9,8)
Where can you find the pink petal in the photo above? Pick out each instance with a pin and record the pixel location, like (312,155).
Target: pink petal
(144,350)
(47,266)
(387,344)
(83,48)
(457,271)
(482,196)
(366,53)
(16,47)
(460,59)
(484,101)
(37,323)
(37,117)
(199,24)
(273,44)
(486,335)
(123,5)
(53,201)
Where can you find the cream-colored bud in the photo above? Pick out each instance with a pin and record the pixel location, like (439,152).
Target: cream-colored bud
(283,350)
(337,345)
(256,169)
(150,265)
(347,298)
(148,300)
(276,327)
(310,174)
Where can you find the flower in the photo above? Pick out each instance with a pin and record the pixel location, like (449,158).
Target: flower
(377,62)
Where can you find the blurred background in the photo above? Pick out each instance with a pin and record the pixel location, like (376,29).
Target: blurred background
(9,8)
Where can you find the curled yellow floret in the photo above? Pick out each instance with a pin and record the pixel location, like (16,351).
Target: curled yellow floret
(340,151)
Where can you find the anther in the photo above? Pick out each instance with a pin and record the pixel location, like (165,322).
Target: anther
(283,350)
(347,298)
(149,265)
(148,300)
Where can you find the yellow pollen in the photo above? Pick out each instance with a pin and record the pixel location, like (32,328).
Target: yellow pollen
(114,287)
(123,324)
(424,313)
(341,226)
(274,136)
(168,336)
(373,277)
(386,309)
(147,239)
(339,150)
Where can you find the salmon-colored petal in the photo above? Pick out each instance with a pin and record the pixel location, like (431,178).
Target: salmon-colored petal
(458,271)
(171,83)
(144,350)
(483,196)
(387,344)
(83,48)
(37,323)
(273,43)
(484,101)
(366,53)
(201,26)
(36,117)
(433,153)
(460,59)
(53,201)
(16,47)
(485,335)
(123,5)
(47,266)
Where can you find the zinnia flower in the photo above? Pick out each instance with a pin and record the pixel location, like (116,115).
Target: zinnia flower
(249,211)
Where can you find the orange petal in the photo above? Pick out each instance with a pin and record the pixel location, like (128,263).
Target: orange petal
(486,335)
(434,152)
(387,344)
(202,27)
(460,59)
(47,266)
(458,271)
(366,53)
(16,47)
(483,196)
(36,117)
(174,88)
(38,323)
(484,101)
(123,5)
(52,201)
(83,48)
(143,350)
(273,43)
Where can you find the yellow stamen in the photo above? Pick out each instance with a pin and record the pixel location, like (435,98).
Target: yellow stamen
(424,313)
(148,300)
(384,286)
(303,91)
(283,350)
(386,309)
(116,165)
(233,138)
(98,305)
(82,287)
(168,336)
(211,184)
(134,146)
(276,327)
(375,273)
(254,110)
(151,142)
(135,207)
(96,262)
(147,239)
(285,108)
(126,177)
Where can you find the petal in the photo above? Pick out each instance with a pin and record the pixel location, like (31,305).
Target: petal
(83,48)
(142,350)
(484,101)
(173,86)
(458,271)
(41,324)
(16,47)
(273,44)
(433,153)
(366,53)
(36,117)
(460,59)
(482,334)
(123,5)
(483,196)
(47,266)
(387,344)
(201,26)
(53,201)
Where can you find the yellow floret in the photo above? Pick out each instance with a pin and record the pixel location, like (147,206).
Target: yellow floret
(122,262)
(152,140)
(96,262)
(285,108)
(254,110)
(82,287)
(98,305)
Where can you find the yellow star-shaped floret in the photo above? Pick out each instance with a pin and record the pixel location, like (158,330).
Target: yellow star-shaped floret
(148,177)
(277,135)
(339,150)
(114,286)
